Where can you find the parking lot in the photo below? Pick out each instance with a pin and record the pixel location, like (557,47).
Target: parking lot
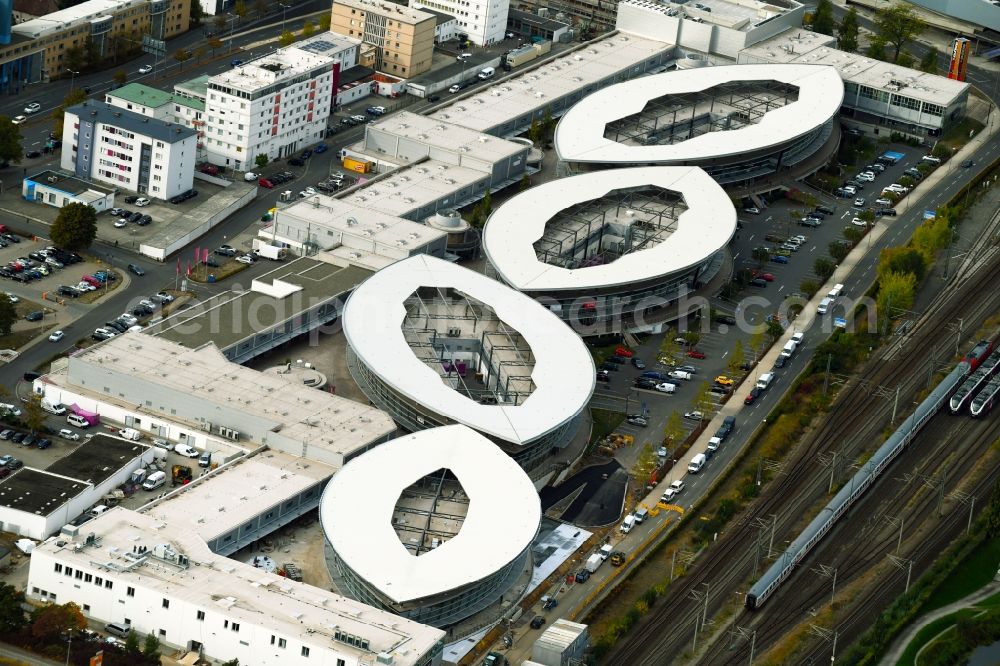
(161,213)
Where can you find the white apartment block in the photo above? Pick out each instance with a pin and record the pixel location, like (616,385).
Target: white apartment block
(161,578)
(483,21)
(275,106)
(129,150)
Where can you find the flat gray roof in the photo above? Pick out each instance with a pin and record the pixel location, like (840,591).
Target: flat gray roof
(224,319)
(97,458)
(107,114)
(67,183)
(34,491)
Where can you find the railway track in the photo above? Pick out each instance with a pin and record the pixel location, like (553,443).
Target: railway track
(856,420)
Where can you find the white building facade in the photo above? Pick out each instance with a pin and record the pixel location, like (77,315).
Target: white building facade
(484,22)
(128,150)
(273,106)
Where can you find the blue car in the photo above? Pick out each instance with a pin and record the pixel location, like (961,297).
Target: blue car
(778,259)
(320,148)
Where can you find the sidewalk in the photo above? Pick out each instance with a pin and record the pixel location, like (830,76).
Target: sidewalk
(808,317)
(904,640)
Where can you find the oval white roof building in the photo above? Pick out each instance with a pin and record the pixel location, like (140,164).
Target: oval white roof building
(619,241)
(437,568)
(434,344)
(738,116)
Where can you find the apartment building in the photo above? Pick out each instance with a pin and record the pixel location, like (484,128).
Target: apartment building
(170,107)
(275,106)
(402,37)
(129,150)
(484,22)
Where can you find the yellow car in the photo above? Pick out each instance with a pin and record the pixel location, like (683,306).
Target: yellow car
(725,381)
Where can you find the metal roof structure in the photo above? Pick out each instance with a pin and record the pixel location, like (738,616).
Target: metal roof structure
(561,368)
(358,511)
(745,108)
(706,222)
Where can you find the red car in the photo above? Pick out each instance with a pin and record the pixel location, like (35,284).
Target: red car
(210,169)
(624,352)
(264,182)
(753,395)
(767,277)
(694,353)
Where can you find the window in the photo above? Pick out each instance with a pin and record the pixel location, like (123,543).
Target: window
(58,568)
(87,578)
(86,608)
(166,603)
(130,591)
(340,662)
(236,626)
(108,584)
(98,581)
(282,642)
(305,651)
(79,575)
(163,633)
(69,571)
(200,615)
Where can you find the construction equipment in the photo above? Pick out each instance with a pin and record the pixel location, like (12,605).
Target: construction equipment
(180,475)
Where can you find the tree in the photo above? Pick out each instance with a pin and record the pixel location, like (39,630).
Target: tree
(196,14)
(674,431)
(151,646)
(902,260)
(896,26)
(822,20)
(33,415)
(92,52)
(525,183)
(75,227)
(876,48)
(132,642)
(74,97)
(232,662)
(756,342)
(929,63)
(10,141)
(736,358)
(760,255)
(645,464)
(214,43)
(535,131)
(286,38)
(692,338)
(308,28)
(182,56)
(260,7)
(324,22)
(809,287)
(854,235)
(11,613)
(8,315)
(838,251)
(774,328)
(847,32)
(895,292)
(121,76)
(703,400)
(669,347)
(823,268)
(199,53)
(240,9)
(49,623)
(261,161)
(75,58)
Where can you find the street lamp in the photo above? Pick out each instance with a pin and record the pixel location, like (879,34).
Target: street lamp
(232,25)
(284,7)
(72,77)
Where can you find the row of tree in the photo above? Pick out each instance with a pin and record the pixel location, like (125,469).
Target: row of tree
(896,26)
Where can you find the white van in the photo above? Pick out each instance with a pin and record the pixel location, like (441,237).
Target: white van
(798,337)
(824,305)
(764,380)
(628,524)
(837,290)
(641,514)
(154,481)
(56,408)
(789,348)
(130,434)
(697,463)
(486,73)
(714,444)
(930,159)
(78,421)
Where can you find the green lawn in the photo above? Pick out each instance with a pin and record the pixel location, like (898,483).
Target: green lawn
(605,422)
(929,632)
(973,573)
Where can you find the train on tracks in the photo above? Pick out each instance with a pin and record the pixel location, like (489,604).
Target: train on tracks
(984,402)
(977,380)
(772,579)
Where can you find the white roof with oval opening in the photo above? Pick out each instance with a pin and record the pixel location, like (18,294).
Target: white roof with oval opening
(563,372)
(701,231)
(358,506)
(580,133)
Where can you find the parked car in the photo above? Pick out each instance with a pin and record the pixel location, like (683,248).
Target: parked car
(537,622)
(226,251)
(673,490)
(187,451)
(34,316)
(66,433)
(264,182)
(136,270)
(694,353)
(638,420)
(295,161)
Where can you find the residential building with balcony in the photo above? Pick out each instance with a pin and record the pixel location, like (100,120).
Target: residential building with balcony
(402,37)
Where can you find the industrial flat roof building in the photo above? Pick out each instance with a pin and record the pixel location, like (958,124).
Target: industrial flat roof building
(161,578)
(435,564)
(607,250)
(195,395)
(509,106)
(874,91)
(434,344)
(738,122)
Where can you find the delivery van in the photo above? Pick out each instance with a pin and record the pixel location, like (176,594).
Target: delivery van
(697,463)
(824,305)
(154,481)
(78,421)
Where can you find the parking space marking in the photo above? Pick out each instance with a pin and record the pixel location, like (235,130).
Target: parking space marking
(781,287)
